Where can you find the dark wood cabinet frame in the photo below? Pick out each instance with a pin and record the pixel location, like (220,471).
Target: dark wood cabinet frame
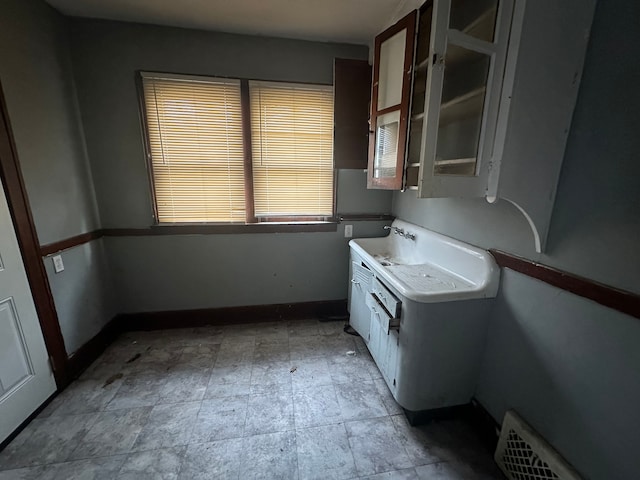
(395,182)
(351,97)
(25,230)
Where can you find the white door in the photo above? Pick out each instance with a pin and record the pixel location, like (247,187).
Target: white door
(26,379)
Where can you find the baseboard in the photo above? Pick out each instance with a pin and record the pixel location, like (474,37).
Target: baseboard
(486,426)
(231,315)
(421,417)
(83,357)
(90,351)
(474,413)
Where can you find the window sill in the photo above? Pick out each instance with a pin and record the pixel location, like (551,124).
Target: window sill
(231,228)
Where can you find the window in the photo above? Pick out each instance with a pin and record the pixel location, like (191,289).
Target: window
(237,151)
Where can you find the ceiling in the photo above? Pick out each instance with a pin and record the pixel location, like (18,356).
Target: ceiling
(351,21)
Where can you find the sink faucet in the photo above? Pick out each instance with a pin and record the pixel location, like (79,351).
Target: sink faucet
(401,232)
(396,230)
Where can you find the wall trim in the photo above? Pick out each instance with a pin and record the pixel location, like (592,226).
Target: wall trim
(84,356)
(70,242)
(159,230)
(615,298)
(365,217)
(231,315)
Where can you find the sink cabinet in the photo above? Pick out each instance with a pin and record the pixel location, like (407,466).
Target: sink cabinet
(430,360)
(426,330)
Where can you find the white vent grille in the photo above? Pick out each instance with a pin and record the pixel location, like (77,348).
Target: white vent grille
(522,454)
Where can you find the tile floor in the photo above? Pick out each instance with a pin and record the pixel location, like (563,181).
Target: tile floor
(271,400)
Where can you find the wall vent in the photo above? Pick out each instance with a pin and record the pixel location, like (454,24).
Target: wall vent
(522,454)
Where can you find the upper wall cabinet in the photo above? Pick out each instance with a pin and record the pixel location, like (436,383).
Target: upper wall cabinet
(494,86)
(465,68)
(390,98)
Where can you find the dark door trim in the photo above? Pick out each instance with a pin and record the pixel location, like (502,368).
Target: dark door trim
(27,236)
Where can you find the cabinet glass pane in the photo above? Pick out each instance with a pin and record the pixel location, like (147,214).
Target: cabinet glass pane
(386,148)
(463,92)
(419,90)
(415,138)
(474,17)
(391,70)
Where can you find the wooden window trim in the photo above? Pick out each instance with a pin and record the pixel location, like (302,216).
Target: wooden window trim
(247,146)
(250,218)
(147,145)
(395,182)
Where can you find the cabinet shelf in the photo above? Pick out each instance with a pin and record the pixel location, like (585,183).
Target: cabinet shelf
(462,106)
(455,161)
(483,26)
(422,65)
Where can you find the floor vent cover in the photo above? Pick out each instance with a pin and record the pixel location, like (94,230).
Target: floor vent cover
(522,454)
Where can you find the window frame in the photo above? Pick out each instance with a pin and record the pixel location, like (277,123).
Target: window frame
(252,224)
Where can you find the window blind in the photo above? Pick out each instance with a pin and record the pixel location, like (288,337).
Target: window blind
(292,149)
(195,141)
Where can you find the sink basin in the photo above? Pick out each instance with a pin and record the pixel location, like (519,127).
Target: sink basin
(430,268)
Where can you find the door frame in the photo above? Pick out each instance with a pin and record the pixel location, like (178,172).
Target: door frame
(25,230)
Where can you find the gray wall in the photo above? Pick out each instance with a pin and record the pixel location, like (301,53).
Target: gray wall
(83,293)
(207,271)
(36,75)
(567,364)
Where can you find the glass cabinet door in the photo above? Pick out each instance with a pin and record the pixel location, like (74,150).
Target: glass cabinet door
(468,49)
(392,71)
(418,94)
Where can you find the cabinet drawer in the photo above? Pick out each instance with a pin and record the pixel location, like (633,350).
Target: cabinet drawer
(388,299)
(380,315)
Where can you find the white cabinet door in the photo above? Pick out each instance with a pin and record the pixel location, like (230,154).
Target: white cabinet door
(26,379)
(468,47)
(391,361)
(360,317)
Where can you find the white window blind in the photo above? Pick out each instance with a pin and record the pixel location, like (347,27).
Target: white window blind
(292,138)
(195,141)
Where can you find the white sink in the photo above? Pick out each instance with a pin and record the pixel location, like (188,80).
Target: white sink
(431,267)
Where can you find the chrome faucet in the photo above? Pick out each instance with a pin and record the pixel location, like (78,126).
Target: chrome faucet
(396,230)
(401,232)
(409,236)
